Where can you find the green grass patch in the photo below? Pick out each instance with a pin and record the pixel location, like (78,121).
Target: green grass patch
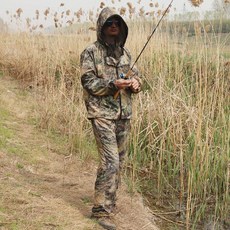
(4,114)
(14,226)
(2,209)
(19,165)
(9,141)
(57,137)
(59,140)
(5,132)
(86,200)
(86,147)
(226,55)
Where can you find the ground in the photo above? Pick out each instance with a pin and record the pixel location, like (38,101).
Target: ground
(41,185)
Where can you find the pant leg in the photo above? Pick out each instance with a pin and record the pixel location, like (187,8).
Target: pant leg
(122,135)
(105,185)
(123,128)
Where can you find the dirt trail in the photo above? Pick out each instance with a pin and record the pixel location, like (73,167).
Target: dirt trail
(41,187)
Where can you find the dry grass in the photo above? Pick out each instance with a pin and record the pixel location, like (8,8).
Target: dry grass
(180,139)
(43,186)
(196,3)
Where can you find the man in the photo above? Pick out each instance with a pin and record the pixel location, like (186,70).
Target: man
(103,64)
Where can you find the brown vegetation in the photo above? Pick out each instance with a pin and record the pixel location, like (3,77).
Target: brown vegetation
(179,148)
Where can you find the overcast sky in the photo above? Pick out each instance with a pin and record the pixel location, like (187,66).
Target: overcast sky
(29,6)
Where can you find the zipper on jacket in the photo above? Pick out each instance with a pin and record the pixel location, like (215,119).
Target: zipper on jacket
(119,93)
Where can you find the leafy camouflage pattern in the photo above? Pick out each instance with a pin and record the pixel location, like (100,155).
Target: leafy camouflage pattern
(111,138)
(99,70)
(101,64)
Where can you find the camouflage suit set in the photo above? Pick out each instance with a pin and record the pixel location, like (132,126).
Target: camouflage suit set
(101,64)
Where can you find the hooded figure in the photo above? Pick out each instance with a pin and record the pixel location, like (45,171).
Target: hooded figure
(102,66)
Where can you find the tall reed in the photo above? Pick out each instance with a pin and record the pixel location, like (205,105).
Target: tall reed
(179,146)
(180,141)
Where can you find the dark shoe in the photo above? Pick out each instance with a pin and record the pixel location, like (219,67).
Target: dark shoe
(106,223)
(99,211)
(103,217)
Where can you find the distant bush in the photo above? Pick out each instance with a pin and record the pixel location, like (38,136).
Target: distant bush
(192,27)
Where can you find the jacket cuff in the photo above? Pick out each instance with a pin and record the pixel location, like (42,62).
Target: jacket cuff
(112,86)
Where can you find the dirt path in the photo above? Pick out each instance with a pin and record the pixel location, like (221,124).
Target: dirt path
(41,187)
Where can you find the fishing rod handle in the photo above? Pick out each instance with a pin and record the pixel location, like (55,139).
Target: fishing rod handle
(126,76)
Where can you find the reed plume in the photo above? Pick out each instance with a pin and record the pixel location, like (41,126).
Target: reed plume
(196,3)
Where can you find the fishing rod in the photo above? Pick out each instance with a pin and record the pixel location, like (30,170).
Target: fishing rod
(130,70)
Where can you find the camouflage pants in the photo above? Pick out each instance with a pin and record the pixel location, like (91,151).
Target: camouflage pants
(111,137)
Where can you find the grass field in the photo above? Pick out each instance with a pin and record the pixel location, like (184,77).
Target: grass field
(179,147)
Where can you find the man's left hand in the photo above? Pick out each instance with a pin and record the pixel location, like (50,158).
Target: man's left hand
(135,85)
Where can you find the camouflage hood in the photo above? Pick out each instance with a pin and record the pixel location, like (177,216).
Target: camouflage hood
(105,14)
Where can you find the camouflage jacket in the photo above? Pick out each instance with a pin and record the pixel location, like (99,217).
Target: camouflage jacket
(99,70)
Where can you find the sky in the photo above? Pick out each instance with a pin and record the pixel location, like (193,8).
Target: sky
(29,6)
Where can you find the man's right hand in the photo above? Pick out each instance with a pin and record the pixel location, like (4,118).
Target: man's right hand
(122,83)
